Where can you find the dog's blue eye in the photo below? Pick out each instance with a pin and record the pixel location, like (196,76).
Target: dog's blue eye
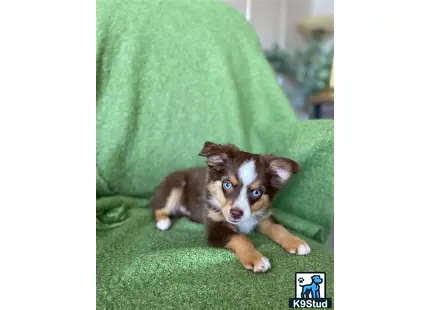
(227,185)
(256,193)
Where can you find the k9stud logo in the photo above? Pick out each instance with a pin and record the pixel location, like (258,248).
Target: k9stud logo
(310,291)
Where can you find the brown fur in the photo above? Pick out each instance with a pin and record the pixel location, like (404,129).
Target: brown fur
(199,194)
(219,233)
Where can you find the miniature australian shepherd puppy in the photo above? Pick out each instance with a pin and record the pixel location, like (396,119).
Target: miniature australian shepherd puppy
(232,197)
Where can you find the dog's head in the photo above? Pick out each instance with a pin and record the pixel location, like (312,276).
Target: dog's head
(316,279)
(242,184)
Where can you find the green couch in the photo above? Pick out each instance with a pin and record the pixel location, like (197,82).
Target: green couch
(170,76)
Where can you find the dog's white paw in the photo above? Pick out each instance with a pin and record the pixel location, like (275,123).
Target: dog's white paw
(298,247)
(262,265)
(164,224)
(304,249)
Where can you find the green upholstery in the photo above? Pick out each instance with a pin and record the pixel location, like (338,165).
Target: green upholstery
(170,76)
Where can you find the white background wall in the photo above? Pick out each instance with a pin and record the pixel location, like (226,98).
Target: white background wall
(322,6)
(275,21)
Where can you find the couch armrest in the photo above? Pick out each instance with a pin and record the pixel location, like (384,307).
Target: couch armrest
(306,202)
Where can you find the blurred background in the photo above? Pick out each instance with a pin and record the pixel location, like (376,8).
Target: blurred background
(297,37)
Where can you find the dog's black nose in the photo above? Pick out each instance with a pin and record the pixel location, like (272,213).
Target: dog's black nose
(236,213)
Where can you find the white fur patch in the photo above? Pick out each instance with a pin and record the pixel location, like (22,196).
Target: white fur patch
(164,224)
(263,266)
(215,159)
(215,203)
(284,174)
(247,173)
(303,249)
(243,203)
(248,225)
(184,211)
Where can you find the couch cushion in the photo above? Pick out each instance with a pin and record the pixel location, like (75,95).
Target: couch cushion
(139,267)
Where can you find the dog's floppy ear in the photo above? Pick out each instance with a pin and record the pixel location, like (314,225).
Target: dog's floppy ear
(217,154)
(281,169)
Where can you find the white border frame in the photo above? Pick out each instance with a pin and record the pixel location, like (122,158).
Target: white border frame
(47,128)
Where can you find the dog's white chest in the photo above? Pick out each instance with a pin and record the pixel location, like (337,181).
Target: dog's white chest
(248,226)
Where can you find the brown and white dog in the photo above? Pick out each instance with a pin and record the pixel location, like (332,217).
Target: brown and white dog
(232,197)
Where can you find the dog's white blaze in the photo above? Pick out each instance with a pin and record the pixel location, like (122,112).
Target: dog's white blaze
(243,203)
(284,174)
(247,173)
(248,225)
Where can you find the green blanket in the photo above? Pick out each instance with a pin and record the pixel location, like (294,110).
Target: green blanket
(170,76)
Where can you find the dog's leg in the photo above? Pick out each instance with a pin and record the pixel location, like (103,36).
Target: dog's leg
(313,294)
(172,203)
(303,292)
(221,234)
(247,254)
(278,233)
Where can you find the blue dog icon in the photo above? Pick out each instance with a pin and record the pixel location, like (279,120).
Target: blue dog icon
(312,288)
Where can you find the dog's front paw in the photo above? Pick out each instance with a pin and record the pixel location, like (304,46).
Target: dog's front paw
(296,246)
(259,264)
(164,224)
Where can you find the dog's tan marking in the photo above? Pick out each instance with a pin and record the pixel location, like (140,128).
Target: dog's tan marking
(215,188)
(160,214)
(247,254)
(233,180)
(172,202)
(254,185)
(283,237)
(260,204)
(215,216)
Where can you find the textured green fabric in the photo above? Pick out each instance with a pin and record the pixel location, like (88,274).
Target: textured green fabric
(139,267)
(170,76)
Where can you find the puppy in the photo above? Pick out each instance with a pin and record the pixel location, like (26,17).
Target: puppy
(231,196)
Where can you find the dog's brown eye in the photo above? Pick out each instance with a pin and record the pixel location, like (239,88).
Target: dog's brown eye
(227,185)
